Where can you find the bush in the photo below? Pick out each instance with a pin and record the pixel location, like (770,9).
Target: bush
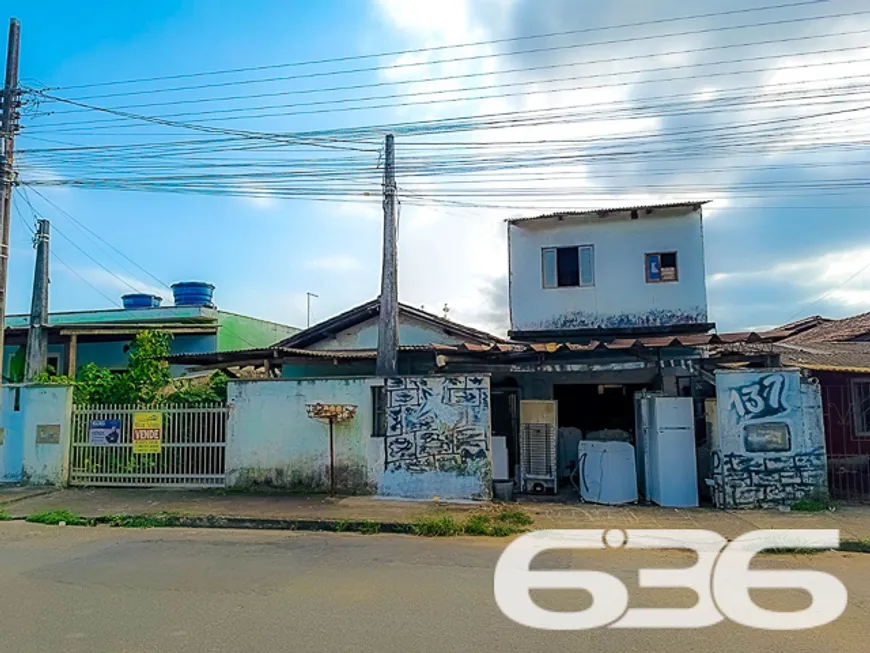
(5,516)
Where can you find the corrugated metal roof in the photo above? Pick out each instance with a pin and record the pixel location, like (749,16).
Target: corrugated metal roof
(495,349)
(605,211)
(845,329)
(829,356)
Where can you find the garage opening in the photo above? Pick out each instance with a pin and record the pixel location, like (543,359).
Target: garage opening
(592,411)
(593,408)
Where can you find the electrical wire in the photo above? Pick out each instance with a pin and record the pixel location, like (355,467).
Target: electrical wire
(586,30)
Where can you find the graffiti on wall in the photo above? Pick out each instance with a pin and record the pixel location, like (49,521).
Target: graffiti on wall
(656,317)
(744,481)
(759,399)
(767,454)
(436,424)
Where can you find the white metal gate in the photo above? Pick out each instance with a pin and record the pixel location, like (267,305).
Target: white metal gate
(191,442)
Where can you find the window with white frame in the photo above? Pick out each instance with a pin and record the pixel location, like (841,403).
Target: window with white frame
(861,407)
(565,267)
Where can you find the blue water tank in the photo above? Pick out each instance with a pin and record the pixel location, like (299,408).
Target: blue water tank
(141,300)
(193,293)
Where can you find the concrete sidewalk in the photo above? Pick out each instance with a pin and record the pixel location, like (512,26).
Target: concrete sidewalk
(852,521)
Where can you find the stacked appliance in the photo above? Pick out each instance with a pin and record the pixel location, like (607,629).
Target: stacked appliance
(666,458)
(538,430)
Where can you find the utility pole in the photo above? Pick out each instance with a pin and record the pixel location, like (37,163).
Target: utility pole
(388,318)
(37,337)
(308,297)
(8,127)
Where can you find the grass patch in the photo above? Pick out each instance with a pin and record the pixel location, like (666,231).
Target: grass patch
(503,523)
(816,502)
(138,521)
(436,526)
(513,517)
(5,516)
(341,525)
(55,517)
(369,527)
(855,546)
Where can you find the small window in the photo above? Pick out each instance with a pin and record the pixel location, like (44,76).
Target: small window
(661,267)
(766,437)
(53,364)
(861,407)
(566,267)
(379,411)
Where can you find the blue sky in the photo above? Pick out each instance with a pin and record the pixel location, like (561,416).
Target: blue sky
(770,255)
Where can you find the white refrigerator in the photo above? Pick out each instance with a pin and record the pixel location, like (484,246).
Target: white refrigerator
(666,446)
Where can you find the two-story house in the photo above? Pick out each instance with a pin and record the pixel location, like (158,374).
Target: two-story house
(608,273)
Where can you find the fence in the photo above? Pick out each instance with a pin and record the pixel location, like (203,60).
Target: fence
(167,445)
(846,407)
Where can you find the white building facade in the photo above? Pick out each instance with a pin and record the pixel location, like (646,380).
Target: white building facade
(636,270)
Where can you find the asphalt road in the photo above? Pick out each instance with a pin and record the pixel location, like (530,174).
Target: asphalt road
(100,589)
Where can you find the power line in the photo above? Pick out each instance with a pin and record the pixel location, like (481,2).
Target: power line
(441,47)
(67,265)
(402,82)
(112,123)
(78,247)
(96,235)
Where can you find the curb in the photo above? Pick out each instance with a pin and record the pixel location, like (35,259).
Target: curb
(248,523)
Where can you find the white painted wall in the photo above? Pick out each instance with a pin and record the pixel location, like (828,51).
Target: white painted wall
(365,335)
(437,441)
(745,479)
(272,441)
(620,297)
(22,458)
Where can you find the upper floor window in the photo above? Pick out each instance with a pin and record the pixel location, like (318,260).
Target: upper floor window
(661,267)
(568,266)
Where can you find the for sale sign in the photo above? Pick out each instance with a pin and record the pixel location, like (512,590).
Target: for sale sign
(147,432)
(104,431)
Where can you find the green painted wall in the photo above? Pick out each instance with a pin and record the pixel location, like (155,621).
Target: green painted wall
(242,332)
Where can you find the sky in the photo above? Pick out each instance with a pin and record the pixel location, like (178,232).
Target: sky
(786,233)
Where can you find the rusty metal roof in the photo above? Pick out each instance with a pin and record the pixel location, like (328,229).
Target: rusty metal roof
(603,212)
(491,350)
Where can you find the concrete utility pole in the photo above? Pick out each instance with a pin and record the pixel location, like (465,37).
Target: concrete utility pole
(309,295)
(37,337)
(8,127)
(388,319)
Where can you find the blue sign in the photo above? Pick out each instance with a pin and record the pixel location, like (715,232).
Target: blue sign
(104,431)
(654,267)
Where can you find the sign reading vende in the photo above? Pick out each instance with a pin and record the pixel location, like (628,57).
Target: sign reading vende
(147,432)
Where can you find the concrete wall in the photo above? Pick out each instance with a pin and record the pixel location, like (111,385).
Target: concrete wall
(272,442)
(620,296)
(365,335)
(35,442)
(748,401)
(437,441)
